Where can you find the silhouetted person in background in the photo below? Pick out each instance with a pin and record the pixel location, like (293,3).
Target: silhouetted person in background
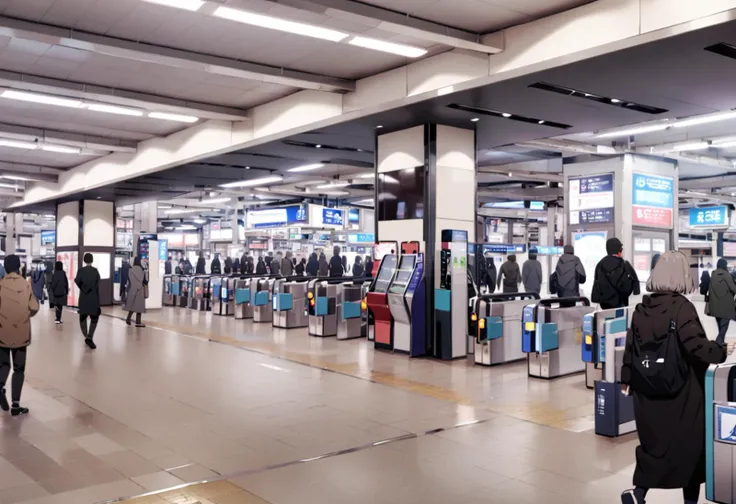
(137,293)
(59,290)
(88,281)
(336,267)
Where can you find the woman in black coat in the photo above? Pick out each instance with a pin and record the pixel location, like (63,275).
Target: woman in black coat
(720,302)
(671,429)
(261,267)
(58,290)
(300,267)
(313,265)
(358,267)
(88,281)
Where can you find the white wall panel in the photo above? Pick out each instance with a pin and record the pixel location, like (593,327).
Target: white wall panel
(67,224)
(456,148)
(444,70)
(455,192)
(658,14)
(401,149)
(402,230)
(297,110)
(381,88)
(99,224)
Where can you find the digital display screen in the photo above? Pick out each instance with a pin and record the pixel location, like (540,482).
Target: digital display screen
(401,194)
(354,216)
(385,274)
(274,217)
(332,217)
(48,237)
(591,199)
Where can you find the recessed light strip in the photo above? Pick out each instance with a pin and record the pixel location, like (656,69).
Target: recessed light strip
(254,182)
(304,168)
(685,122)
(507,115)
(605,100)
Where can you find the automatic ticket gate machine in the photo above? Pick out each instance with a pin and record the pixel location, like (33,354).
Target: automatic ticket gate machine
(185,286)
(552,332)
(720,433)
(351,308)
(200,298)
(377,302)
(242,298)
(406,299)
(168,295)
(595,341)
(289,302)
(451,298)
(219,295)
(261,295)
(497,322)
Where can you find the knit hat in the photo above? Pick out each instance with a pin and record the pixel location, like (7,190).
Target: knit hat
(614,246)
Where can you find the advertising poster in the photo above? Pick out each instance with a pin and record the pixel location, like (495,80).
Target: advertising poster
(590,247)
(591,199)
(653,201)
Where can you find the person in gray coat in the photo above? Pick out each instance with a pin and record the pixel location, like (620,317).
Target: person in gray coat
(510,275)
(137,293)
(531,273)
(720,299)
(287,265)
(568,275)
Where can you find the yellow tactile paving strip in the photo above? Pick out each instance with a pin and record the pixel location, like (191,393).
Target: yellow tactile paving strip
(218,492)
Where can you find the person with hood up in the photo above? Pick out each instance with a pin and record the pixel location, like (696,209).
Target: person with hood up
(201,265)
(489,274)
(137,293)
(228,266)
(568,276)
(324,267)
(721,304)
(670,423)
(358,267)
(236,266)
(300,268)
(261,267)
(88,281)
(188,269)
(531,273)
(336,267)
(287,266)
(17,306)
(244,264)
(275,264)
(705,284)
(250,267)
(215,266)
(313,265)
(59,290)
(614,279)
(368,266)
(510,275)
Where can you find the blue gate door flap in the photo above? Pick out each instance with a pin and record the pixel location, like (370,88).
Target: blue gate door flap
(351,310)
(261,298)
(242,296)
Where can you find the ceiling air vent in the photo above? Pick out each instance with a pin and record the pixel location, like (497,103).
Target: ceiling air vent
(508,115)
(605,100)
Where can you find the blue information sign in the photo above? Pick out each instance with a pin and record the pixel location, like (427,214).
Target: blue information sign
(354,216)
(332,217)
(275,217)
(163,250)
(709,217)
(653,191)
(503,248)
(48,237)
(362,238)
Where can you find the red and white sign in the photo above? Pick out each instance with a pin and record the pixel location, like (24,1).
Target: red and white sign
(652,217)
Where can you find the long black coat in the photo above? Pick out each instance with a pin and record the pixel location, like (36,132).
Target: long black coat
(720,295)
(671,430)
(58,289)
(88,281)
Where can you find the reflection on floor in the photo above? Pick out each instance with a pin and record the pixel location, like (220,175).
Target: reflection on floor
(153,409)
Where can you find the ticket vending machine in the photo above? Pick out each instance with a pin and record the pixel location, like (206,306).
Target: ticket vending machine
(720,433)
(451,298)
(400,299)
(377,301)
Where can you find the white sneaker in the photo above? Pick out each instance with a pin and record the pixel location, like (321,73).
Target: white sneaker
(57,322)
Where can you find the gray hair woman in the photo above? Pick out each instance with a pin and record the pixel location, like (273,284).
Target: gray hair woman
(670,424)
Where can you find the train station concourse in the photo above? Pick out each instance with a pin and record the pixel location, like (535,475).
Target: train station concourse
(370,252)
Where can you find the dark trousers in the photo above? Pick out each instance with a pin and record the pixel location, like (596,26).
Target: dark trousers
(19,369)
(137,317)
(689,494)
(59,309)
(723,324)
(89,334)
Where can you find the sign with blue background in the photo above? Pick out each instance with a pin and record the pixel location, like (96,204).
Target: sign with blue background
(362,238)
(653,191)
(48,237)
(332,217)
(275,217)
(163,250)
(709,217)
(354,216)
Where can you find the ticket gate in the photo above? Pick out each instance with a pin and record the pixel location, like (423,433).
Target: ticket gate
(261,293)
(720,433)
(350,310)
(332,306)
(217,285)
(182,299)
(497,322)
(168,296)
(552,332)
(595,329)
(200,298)
(289,302)
(243,305)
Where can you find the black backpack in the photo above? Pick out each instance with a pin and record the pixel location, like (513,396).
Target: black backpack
(658,368)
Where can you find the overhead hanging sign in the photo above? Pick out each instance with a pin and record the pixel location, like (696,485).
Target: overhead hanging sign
(710,217)
(591,199)
(275,217)
(653,199)
(332,217)
(362,238)
(48,237)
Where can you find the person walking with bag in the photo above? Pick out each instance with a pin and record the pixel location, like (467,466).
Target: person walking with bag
(88,281)
(664,363)
(59,290)
(137,293)
(17,306)
(510,275)
(720,303)
(614,279)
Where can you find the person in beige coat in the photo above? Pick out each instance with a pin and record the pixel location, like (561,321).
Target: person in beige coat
(17,306)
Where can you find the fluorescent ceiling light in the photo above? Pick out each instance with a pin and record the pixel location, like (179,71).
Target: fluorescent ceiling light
(200,221)
(16,177)
(254,182)
(506,114)
(331,186)
(368,175)
(725,145)
(179,211)
(389,47)
(187,227)
(214,201)
(190,5)
(41,98)
(61,149)
(308,167)
(114,109)
(635,131)
(688,146)
(273,23)
(475,119)
(336,193)
(368,201)
(705,119)
(173,117)
(8,186)
(17,144)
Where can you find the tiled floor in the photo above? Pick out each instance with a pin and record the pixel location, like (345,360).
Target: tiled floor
(153,409)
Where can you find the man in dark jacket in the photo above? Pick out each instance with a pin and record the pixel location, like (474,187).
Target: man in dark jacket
(569,273)
(510,275)
(336,268)
(720,299)
(215,266)
(88,281)
(261,267)
(368,266)
(275,264)
(244,263)
(236,266)
(531,273)
(200,266)
(167,266)
(313,265)
(188,266)
(228,266)
(614,280)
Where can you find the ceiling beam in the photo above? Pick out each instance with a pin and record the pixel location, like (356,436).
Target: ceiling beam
(55,137)
(399,23)
(30,169)
(524,175)
(117,96)
(177,58)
